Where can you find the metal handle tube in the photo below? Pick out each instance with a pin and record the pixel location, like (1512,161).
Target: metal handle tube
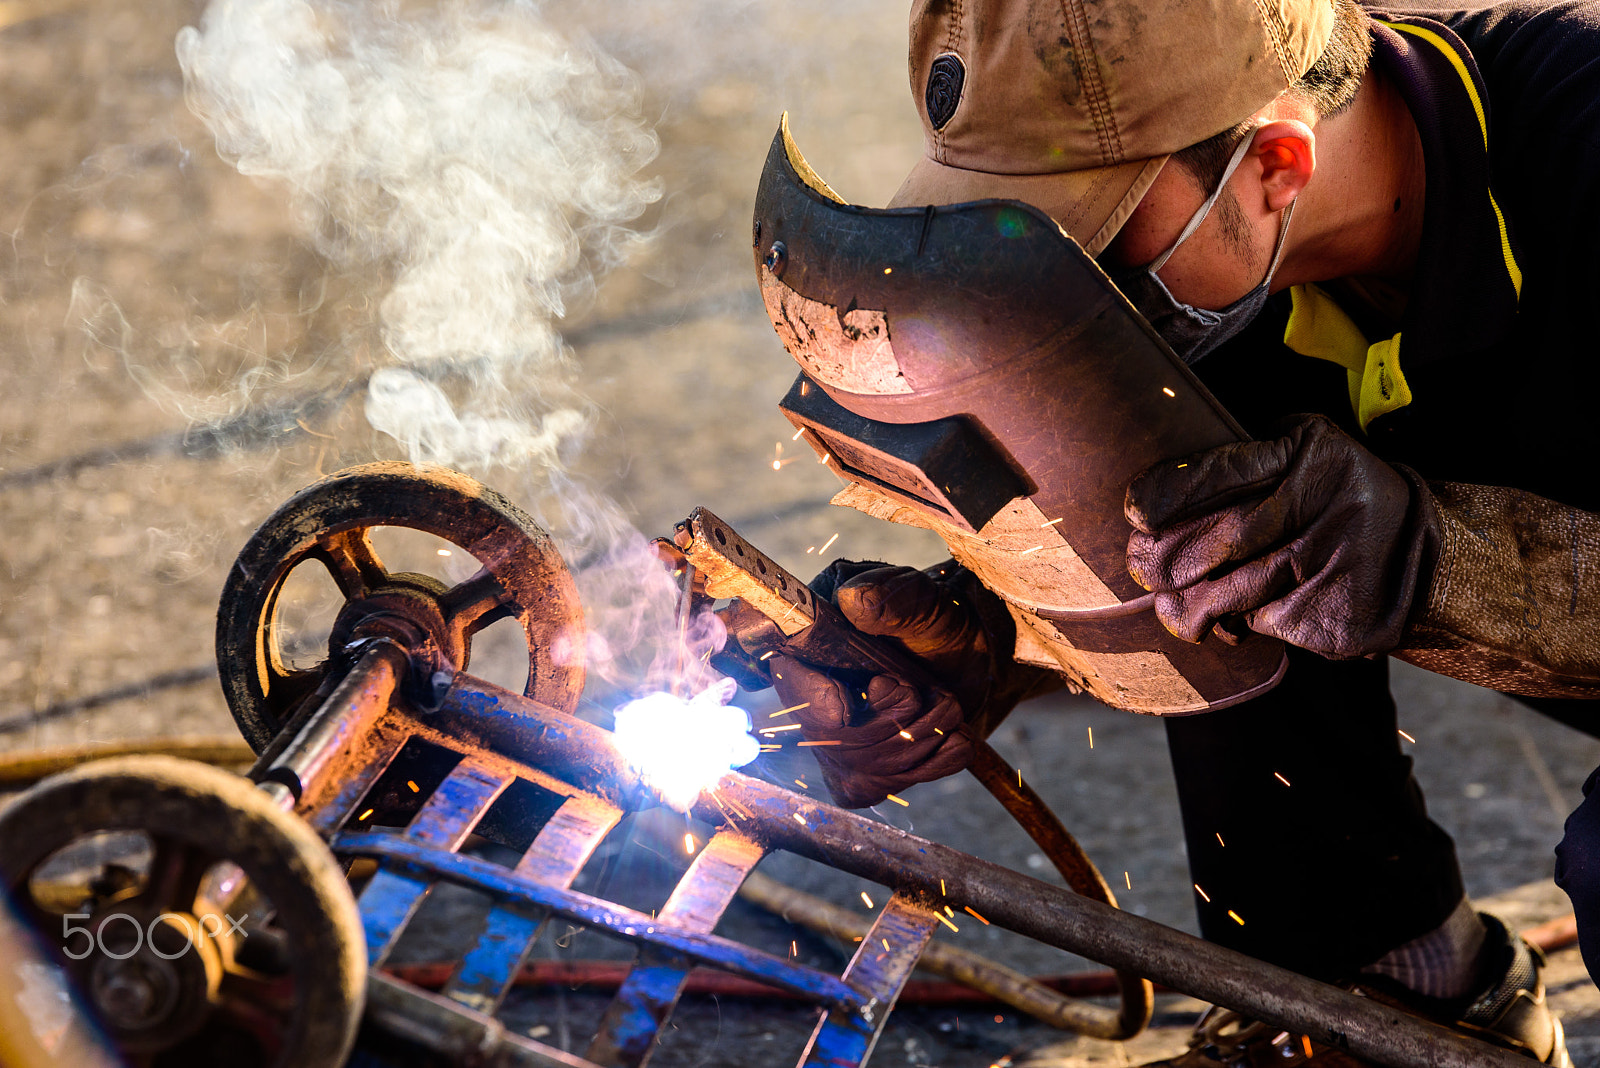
(525,730)
(342,720)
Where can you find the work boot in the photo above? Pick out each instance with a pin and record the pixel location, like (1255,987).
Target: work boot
(1511,1012)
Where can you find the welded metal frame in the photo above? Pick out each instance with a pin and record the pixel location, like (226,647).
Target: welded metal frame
(502,736)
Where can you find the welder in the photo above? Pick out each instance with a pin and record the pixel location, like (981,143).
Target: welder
(1371,233)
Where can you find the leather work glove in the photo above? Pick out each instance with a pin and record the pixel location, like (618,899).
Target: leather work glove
(1313,539)
(1309,538)
(891,733)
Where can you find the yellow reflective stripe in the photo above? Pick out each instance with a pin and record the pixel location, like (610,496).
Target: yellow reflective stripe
(1505,248)
(1455,61)
(1443,46)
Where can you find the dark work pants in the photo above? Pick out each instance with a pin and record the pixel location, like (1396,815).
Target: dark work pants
(1331,871)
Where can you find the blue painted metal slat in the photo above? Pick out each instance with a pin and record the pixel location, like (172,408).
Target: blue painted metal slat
(456,806)
(628,1030)
(387,904)
(723,953)
(390,900)
(883,963)
(555,858)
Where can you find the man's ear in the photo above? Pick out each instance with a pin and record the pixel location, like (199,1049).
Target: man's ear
(1284,152)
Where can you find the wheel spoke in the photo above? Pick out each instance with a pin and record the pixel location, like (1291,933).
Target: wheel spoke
(176,871)
(472,605)
(350,558)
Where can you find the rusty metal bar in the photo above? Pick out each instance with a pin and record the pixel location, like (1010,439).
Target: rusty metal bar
(331,736)
(961,965)
(513,725)
(458,1034)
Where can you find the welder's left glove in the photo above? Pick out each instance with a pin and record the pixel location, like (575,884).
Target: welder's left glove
(1310,538)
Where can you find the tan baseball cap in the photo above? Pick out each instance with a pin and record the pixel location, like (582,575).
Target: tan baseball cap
(1074,105)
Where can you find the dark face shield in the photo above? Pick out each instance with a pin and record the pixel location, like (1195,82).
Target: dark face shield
(970,370)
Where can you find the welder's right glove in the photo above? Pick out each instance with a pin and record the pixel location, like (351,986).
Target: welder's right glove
(891,734)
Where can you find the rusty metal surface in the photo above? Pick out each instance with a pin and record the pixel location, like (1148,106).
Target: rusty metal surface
(522,576)
(971,970)
(852,843)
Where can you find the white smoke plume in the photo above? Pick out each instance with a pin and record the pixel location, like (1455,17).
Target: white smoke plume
(483,168)
(483,164)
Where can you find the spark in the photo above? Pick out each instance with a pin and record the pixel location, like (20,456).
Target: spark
(833,742)
(1168,391)
(768,655)
(974,915)
(825,457)
(791,708)
(1236,917)
(939,732)
(364,815)
(827,543)
(1035,549)
(1182,466)
(947,923)
(785,727)
(1091,737)
(689,844)
(1408,737)
(867,899)
(794,950)
(1279,776)
(885,942)
(904,734)
(1019,776)
(778,462)
(680,746)
(801,784)
(948,911)
(444,552)
(888,270)
(1052,522)
(811,549)
(770,748)
(801,820)
(414,788)
(899,801)
(1202,893)
(1220,842)
(797,434)
(1128,879)
(942,890)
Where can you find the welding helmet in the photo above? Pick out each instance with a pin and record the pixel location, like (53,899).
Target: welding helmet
(970,370)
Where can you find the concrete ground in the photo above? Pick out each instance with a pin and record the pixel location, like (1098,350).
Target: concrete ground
(176,360)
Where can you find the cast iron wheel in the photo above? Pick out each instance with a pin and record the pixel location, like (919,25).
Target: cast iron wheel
(272,976)
(522,576)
